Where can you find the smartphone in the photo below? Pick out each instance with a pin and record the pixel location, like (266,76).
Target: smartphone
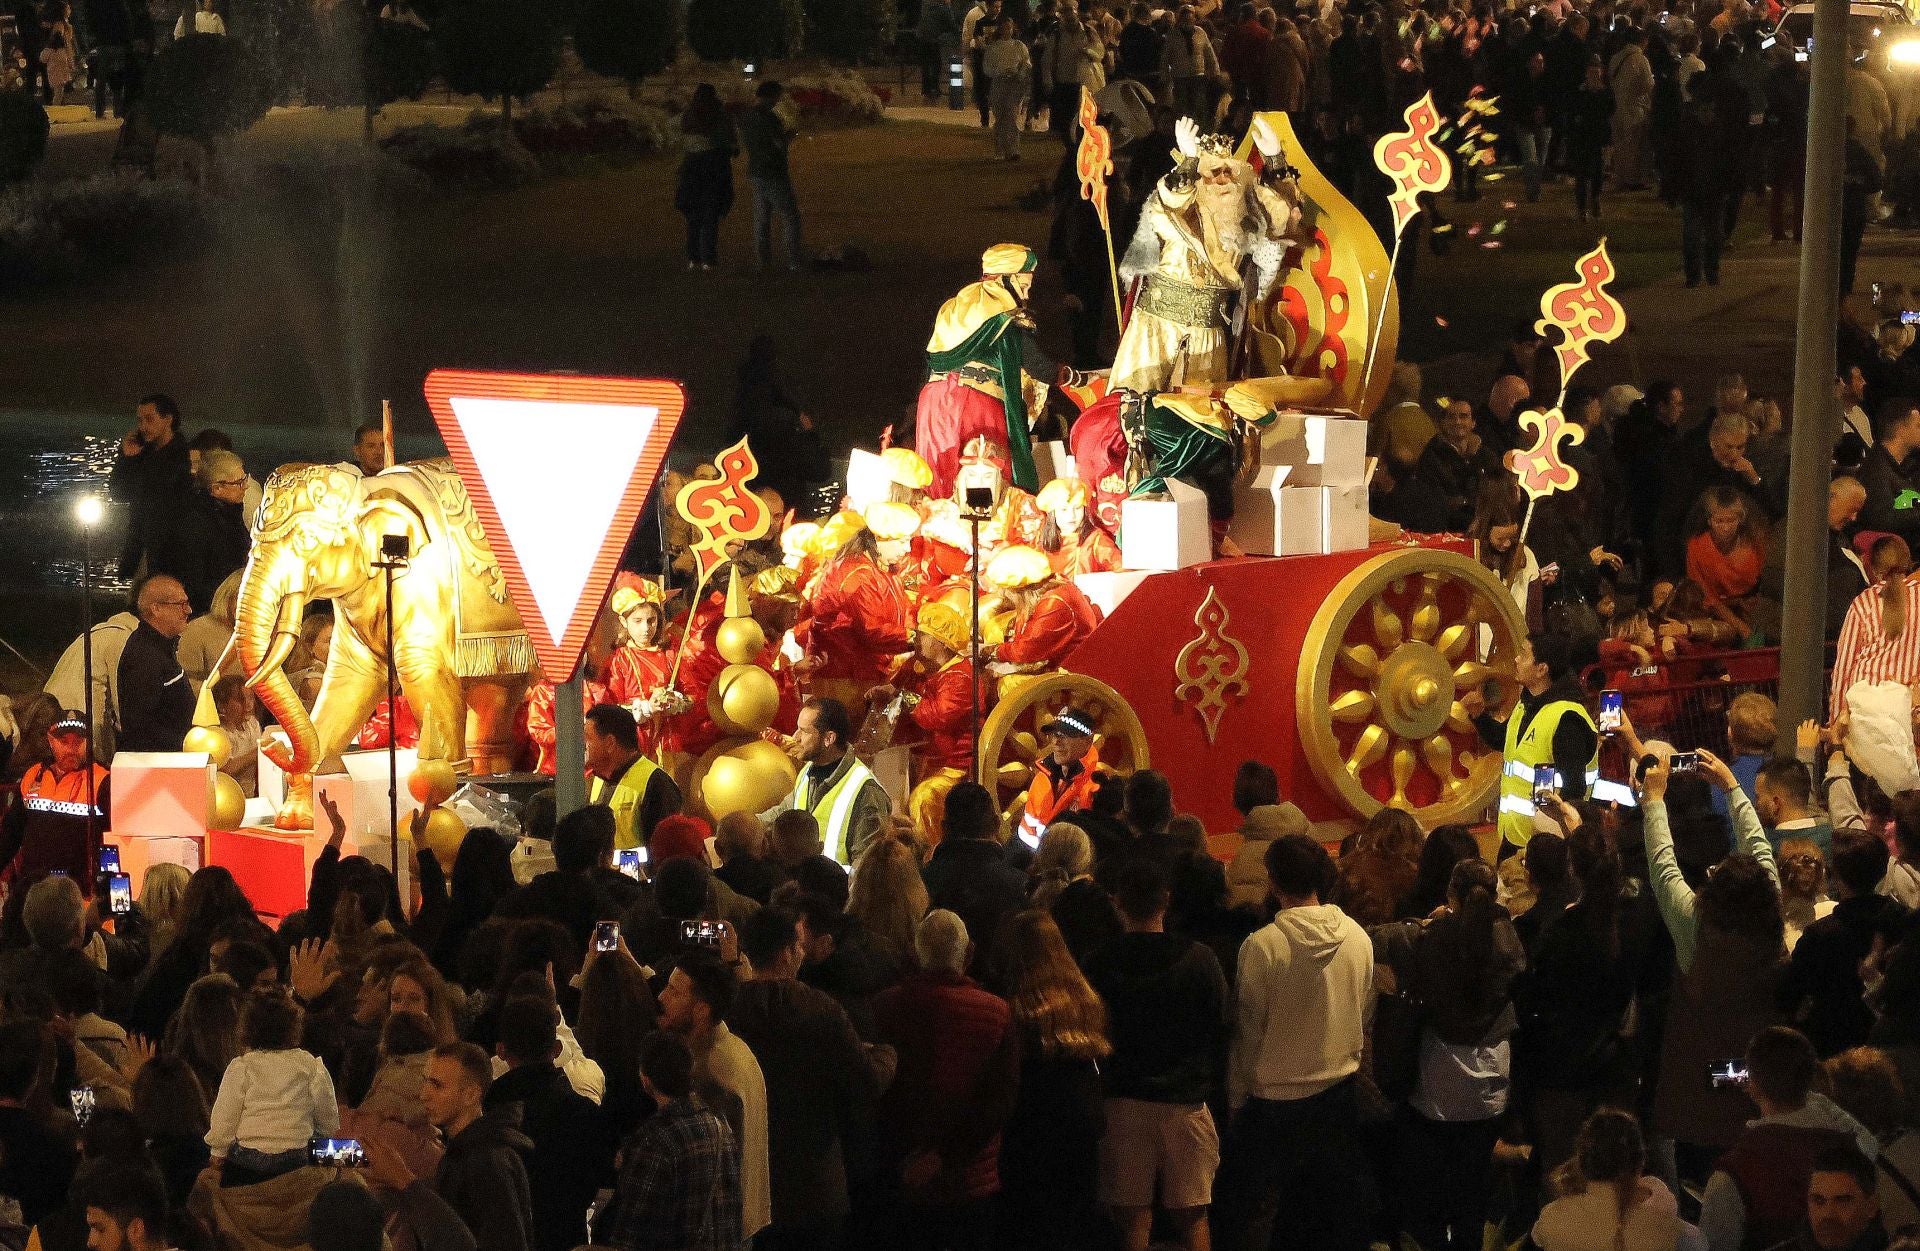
(1724,1073)
(1684,762)
(628,861)
(1545,784)
(606,936)
(1611,705)
(701,933)
(338,1152)
(82,1100)
(109,858)
(120,893)
(1910,317)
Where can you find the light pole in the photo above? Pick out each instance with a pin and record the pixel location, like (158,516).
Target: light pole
(395,551)
(88,510)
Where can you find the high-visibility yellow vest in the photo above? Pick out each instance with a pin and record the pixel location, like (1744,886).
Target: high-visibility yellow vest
(1527,750)
(833,807)
(625,799)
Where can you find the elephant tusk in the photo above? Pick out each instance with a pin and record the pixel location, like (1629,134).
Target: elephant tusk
(277,652)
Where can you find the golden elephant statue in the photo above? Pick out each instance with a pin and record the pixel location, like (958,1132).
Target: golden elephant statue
(459,647)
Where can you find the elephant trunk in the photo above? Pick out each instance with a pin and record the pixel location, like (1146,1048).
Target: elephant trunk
(265,629)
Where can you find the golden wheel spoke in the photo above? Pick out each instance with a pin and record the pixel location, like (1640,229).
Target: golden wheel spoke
(1360,660)
(1403,765)
(1024,745)
(1472,674)
(1387,627)
(1013,773)
(1353,706)
(1453,640)
(1426,610)
(1457,718)
(1368,749)
(1439,755)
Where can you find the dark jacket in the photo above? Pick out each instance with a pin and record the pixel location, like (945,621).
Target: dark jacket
(821,1088)
(156,700)
(956,1083)
(765,138)
(204,541)
(971,877)
(1887,483)
(573,900)
(1455,477)
(572,1155)
(36,1164)
(156,485)
(483,1177)
(1721,1002)
(751,876)
(1086,917)
(1166,1016)
(853,974)
(1821,994)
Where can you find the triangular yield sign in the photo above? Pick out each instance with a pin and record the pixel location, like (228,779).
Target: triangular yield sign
(558,468)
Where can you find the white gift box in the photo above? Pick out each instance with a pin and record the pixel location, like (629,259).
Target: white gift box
(1165,534)
(273,781)
(162,794)
(361,793)
(1322,451)
(1319,520)
(1106,590)
(1257,516)
(867,480)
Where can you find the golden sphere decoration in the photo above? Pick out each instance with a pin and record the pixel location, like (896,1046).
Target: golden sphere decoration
(227,807)
(443,836)
(739,640)
(743,699)
(211,739)
(432,783)
(748,776)
(1383,668)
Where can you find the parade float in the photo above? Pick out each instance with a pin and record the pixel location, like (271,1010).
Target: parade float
(1195,569)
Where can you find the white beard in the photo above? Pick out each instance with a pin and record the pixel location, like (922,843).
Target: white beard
(1225,207)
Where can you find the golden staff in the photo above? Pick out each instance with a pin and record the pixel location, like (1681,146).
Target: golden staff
(1093,160)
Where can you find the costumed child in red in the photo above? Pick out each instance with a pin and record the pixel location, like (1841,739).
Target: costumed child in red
(1068,536)
(858,620)
(638,674)
(936,684)
(1051,617)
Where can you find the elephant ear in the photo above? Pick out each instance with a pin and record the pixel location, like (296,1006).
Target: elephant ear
(387,512)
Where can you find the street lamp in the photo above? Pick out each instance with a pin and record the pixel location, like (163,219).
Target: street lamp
(88,510)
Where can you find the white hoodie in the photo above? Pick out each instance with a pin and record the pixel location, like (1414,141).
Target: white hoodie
(1304,992)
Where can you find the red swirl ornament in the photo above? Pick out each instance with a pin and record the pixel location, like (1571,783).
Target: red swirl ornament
(722,511)
(1093,159)
(1583,311)
(1413,161)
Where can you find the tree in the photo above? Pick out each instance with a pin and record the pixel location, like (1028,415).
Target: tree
(850,30)
(23,135)
(205,88)
(397,65)
(628,39)
(503,48)
(745,30)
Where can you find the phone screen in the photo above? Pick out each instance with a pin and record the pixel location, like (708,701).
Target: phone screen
(701,933)
(109,858)
(120,893)
(82,1100)
(1610,711)
(1722,1073)
(1684,762)
(606,936)
(629,859)
(1545,784)
(338,1152)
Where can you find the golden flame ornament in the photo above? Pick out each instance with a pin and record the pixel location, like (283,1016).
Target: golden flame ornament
(1584,312)
(1212,666)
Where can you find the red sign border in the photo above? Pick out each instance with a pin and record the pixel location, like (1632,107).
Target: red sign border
(558,661)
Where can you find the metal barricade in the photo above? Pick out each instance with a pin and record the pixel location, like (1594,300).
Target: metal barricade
(1685,701)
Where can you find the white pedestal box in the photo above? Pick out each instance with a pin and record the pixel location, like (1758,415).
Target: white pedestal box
(1165,534)
(361,793)
(867,480)
(1321,450)
(1319,520)
(1106,590)
(273,782)
(161,794)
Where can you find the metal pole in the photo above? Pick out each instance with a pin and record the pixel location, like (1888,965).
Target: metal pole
(1803,618)
(569,748)
(973,691)
(393,739)
(86,662)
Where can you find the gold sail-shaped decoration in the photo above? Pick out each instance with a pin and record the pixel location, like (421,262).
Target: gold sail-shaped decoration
(1315,321)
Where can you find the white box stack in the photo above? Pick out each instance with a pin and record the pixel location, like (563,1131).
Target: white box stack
(1165,534)
(1309,495)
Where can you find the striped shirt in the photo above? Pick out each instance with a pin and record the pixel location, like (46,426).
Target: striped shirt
(1865,653)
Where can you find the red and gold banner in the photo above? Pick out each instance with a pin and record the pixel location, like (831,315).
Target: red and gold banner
(1093,159)
(1538,465)
(1583,311)
(1413,161)
(723,511)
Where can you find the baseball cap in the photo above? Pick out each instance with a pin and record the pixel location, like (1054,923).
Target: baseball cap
(1071,721)
(70,722)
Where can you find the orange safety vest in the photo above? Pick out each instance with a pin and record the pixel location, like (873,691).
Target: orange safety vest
(1043,805)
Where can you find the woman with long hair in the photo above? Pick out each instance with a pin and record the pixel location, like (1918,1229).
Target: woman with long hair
(1461,969)
(1727,555)
(1446,847)
(205,1033)
(417,986)
(1049,1151)
(174,1113)
(211,900)
(1380,868)
(1060,880)
(1880,638)
(1495,531)
(704,192)
(617,1011)
(454,905)
(889,898)
(1607,1202)
(160,907)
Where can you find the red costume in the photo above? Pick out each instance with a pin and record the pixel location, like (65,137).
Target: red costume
(374,732)
(1059,621)
(859,622)
(537,719)
(638,673)
(1089,552)
(944,715)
